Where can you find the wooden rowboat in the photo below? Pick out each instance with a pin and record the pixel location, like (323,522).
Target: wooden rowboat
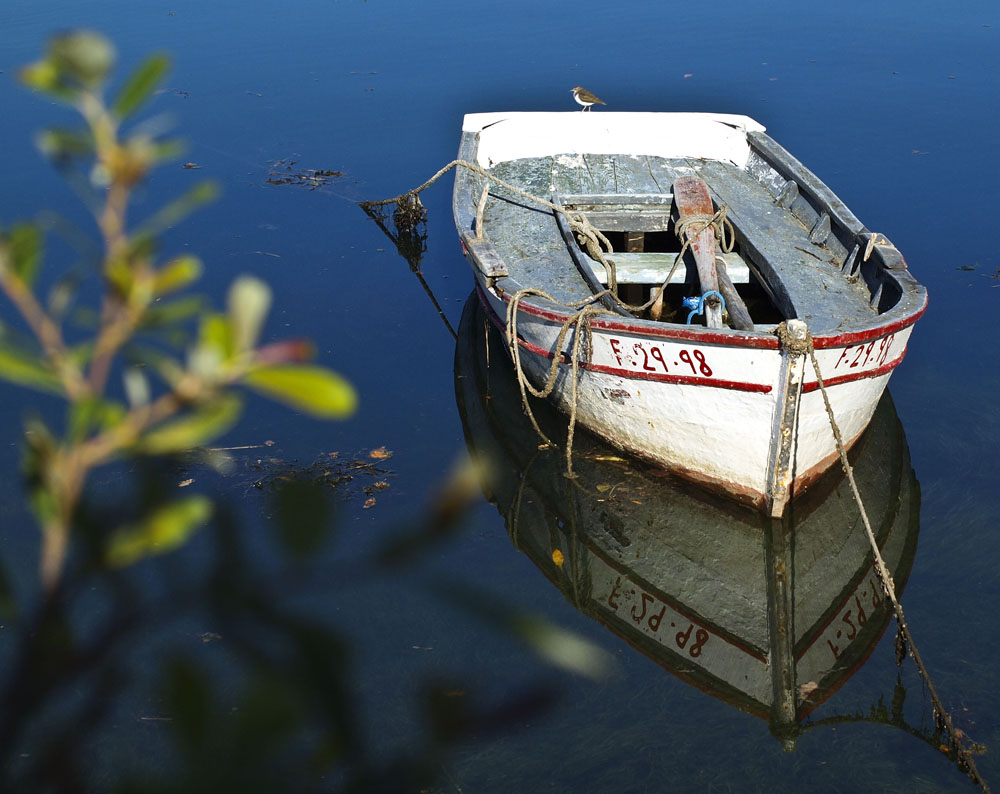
(704,387)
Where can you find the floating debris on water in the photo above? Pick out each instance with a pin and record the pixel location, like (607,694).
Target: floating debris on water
(283,172)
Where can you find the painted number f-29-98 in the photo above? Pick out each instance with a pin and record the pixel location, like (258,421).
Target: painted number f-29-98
(649,357)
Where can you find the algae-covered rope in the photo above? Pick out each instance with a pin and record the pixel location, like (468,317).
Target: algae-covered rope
(586,310)
(904,637)
(719,223)
(590,238)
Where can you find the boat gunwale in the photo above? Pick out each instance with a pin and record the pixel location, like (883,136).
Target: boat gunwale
(546,310)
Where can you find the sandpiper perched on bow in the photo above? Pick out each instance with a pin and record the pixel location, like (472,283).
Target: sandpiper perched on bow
(585,98)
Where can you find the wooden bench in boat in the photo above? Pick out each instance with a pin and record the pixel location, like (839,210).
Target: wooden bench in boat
(653,267)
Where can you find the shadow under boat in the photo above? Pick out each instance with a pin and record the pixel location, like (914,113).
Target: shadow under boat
(770,615)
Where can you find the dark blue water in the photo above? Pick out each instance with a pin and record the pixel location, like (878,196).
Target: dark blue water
(891,104)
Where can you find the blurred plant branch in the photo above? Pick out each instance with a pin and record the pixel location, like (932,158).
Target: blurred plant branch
(191,401)
(151,373)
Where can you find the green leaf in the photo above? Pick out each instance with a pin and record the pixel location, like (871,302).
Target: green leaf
(44,76)
(177,274)
(86,414)
(178,209)
(562,648)
(82,56)
(62,145)
(270,714)
(120,276)
(40,449)
(193,430)
(214,347)
(141,84)
(171,312)
(558,646)
(154,359)
(79,355)
(248,302)
(315,390)
(62,294)
(25,368)
(136,385)
(169,149)
(24,244)
(165,529)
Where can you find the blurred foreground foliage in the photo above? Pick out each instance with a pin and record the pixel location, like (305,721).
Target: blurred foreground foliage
(146,376)
(111,684)
(178,361)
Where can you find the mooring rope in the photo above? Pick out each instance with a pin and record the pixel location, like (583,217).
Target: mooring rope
(582,338)
(590,238)
(904,637)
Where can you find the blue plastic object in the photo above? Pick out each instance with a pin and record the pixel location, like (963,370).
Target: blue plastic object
(697,305)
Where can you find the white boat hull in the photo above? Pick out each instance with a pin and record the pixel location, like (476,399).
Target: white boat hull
(706,411)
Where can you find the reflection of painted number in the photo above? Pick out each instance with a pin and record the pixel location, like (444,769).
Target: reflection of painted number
(700,637)
(859,615)
(852,632)
(644,601)
(862,617)
(638,615)
(640,610)
(614,591)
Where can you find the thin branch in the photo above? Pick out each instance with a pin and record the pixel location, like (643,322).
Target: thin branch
(45,329)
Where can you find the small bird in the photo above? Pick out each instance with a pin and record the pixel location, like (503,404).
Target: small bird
(585,98)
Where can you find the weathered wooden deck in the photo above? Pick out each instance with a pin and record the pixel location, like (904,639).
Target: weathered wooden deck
(803,276)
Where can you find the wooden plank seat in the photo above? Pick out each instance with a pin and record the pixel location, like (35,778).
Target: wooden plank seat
(652,268)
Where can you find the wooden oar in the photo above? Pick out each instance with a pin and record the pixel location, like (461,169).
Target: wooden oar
(739,316)
(691,197)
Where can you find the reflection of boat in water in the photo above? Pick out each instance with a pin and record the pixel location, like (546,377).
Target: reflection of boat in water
(770,615)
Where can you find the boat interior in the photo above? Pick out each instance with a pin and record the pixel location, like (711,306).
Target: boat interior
(798,252)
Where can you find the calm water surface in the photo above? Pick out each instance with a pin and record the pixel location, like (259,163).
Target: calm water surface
(891,104)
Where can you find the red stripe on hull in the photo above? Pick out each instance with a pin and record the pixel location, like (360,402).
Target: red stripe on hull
(768,342)
(872,373)
(759,388)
